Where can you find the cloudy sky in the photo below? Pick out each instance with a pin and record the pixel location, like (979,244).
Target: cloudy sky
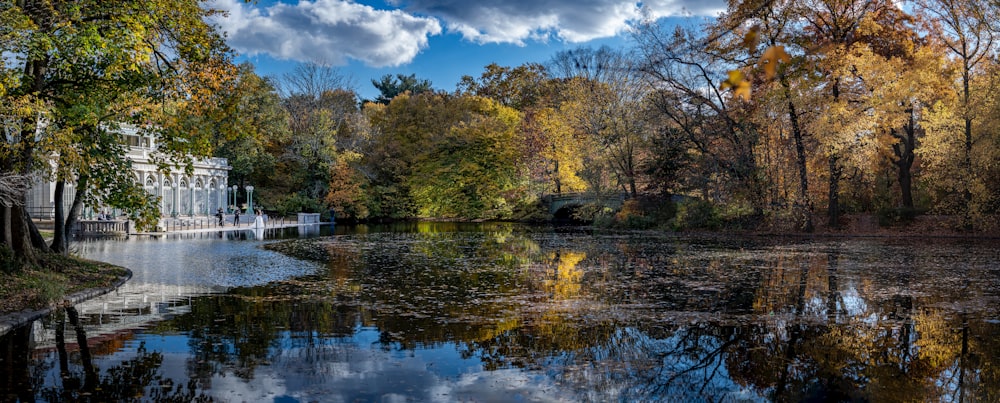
(438,40)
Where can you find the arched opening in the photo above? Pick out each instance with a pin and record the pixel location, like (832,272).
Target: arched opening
(567,214)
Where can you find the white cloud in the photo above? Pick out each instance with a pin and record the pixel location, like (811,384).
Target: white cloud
(326,31)
(490,21)
(334,31)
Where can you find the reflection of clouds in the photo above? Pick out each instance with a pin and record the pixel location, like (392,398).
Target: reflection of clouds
(502,386)
(854,303)
(349,369)
(205,261)
(231,388)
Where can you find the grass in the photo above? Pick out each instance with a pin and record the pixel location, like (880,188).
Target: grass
(40,285)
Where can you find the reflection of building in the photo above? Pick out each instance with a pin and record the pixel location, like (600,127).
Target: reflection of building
(130,307)
(180,195)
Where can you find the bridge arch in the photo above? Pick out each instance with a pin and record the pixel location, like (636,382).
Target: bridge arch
(563,205)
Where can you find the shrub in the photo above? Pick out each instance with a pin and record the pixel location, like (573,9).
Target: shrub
(645,213)
(694,214)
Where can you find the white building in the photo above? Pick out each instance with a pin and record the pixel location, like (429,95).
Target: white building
(202,193)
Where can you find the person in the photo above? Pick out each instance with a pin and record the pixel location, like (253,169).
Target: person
(221,217)
(258,221)
(236,217)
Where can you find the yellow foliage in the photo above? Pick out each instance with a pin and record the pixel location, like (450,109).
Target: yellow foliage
(738,83)
(566,282)
(770,59)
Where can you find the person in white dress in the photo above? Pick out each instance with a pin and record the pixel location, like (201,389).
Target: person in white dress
(258,221)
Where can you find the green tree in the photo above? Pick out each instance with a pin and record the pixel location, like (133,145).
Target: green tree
(441,155)
(389,87)
(470,169)
(252,121)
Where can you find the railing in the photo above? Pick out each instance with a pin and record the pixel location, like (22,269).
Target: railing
(308,218)
(212,222)
(102,227)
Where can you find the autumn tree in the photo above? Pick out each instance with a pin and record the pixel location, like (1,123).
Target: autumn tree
(830,28)
(520,87)
(469,171)
(321,115)
(718,132)
(969,33)
(606,104)
(892,79)
(251,122)
(552,151)
(80,68)
(442,155)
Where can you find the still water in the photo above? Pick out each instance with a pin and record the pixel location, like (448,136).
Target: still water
(440,312)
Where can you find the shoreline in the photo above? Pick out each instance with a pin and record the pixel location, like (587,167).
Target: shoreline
(13,320)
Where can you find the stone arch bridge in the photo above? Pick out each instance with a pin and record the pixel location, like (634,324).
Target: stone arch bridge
(561,204)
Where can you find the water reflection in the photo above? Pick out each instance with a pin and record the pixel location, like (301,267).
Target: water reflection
(445,312)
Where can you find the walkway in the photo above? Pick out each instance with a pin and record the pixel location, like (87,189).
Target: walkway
(210,224)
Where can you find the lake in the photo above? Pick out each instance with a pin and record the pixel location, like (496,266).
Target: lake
(445,312)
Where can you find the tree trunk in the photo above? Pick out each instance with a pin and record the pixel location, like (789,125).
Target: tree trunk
(833,199)
(5,225)
(804,205)
(59,242)
(37,241)
(904,160)
(74,212)
(906,188)
(66,220)
(20,237)
(833,204)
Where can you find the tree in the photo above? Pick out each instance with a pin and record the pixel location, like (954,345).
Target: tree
(82,67)
(891,83)
(520,87)
(322,114)
(773,26)
(967,31)
(607,104)
(441,155)
(830,28)
(389,87)
(551,150)
(717,128)
(467,172)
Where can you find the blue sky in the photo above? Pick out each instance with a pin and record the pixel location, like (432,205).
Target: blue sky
(438,40)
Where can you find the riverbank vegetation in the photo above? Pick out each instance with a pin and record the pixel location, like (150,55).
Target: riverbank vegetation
(775,116)
(788,117)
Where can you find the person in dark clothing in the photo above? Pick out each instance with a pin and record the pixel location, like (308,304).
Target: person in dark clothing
(221,217)
(236,217)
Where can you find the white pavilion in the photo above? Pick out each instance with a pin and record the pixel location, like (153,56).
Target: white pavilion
(199,194)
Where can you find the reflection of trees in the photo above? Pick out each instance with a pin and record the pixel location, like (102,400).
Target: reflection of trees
(17,381)
(80,377)
(669,318)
